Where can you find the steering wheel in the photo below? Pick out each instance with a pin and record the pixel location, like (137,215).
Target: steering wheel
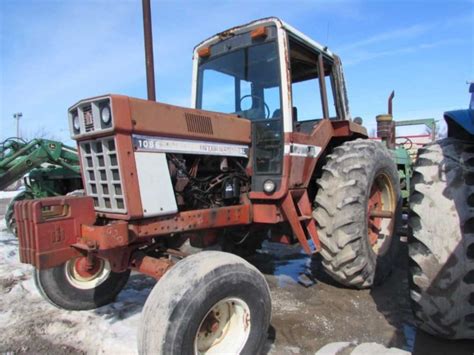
(267,109)
(405,142)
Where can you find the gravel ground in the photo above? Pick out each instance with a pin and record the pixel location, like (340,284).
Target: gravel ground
(321,318)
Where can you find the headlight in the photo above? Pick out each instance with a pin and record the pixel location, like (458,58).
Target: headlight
(105,114)
(75,122)
(268,186)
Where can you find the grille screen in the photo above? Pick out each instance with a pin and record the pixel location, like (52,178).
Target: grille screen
(88,118)
(102,175)
(198,123)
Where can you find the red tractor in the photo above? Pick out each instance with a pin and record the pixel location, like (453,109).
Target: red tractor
(268,150)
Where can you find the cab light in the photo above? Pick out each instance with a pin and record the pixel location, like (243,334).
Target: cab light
(204,52)
(105,114)
(269,186)
(259,32)
(75,122)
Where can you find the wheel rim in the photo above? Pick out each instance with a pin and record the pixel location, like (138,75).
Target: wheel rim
(224,329)
(84,276)
(380,214)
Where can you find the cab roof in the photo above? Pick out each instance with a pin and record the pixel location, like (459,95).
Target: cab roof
(265,22)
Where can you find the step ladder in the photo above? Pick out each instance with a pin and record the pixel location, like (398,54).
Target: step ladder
(298,211)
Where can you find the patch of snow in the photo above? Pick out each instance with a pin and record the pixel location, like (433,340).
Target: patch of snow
(334,348)
(292,350)
(344,347)
(377,349)
(24,313)
(9,194)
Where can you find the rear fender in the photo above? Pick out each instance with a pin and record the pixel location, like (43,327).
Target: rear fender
(462,118)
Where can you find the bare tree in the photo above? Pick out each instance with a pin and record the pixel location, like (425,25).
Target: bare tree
(39,133)
(439,133)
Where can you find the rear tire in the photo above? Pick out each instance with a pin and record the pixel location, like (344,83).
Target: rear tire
(441,249)
(211,301)
(64,288)
(359,177)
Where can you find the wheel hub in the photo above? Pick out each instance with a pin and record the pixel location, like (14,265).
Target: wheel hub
(85,269)
(381,207)
(375,202)
(85,275)
(225,328)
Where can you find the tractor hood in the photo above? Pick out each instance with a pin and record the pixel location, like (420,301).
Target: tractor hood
(106,115)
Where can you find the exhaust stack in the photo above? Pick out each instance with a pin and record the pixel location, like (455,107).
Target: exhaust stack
(386,126)
(148,36)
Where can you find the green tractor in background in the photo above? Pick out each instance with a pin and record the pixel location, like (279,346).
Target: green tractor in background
(404,148)
(437,182)
(49,168)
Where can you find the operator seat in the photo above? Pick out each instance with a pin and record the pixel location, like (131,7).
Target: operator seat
(277,114)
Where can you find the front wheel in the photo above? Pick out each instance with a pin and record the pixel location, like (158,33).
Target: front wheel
(10,220)
(208,303)
(75,286)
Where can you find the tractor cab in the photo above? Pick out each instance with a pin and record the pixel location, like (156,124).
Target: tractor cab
(279,79)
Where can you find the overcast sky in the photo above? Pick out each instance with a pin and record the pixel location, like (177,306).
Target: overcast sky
(54,53)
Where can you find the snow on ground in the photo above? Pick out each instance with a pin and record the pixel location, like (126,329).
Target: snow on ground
(345,347)
(110,329)
(29,324)
(9,194)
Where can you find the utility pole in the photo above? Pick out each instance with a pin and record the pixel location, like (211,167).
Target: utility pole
(147,31)
(17,116)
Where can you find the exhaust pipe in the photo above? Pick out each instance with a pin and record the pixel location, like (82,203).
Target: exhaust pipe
(390,99)
(150,67)
(386,126)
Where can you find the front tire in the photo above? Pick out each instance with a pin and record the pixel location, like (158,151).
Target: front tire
(71,286)
(441,249)
(208,303)
(359,243)
(10,220)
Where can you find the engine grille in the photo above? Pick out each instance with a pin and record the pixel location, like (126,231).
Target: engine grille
(102,175)
(88,118)
(198,123)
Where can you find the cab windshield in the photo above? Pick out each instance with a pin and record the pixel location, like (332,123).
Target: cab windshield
(245,82)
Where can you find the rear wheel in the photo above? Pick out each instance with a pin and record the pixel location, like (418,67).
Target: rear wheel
(357,208)
(76,286)
(208,303)
(441,249)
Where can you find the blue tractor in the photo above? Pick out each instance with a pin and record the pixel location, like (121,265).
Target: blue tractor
(461,122)
(441,245)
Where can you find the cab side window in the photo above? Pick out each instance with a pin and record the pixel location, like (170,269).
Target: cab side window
(305,84)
